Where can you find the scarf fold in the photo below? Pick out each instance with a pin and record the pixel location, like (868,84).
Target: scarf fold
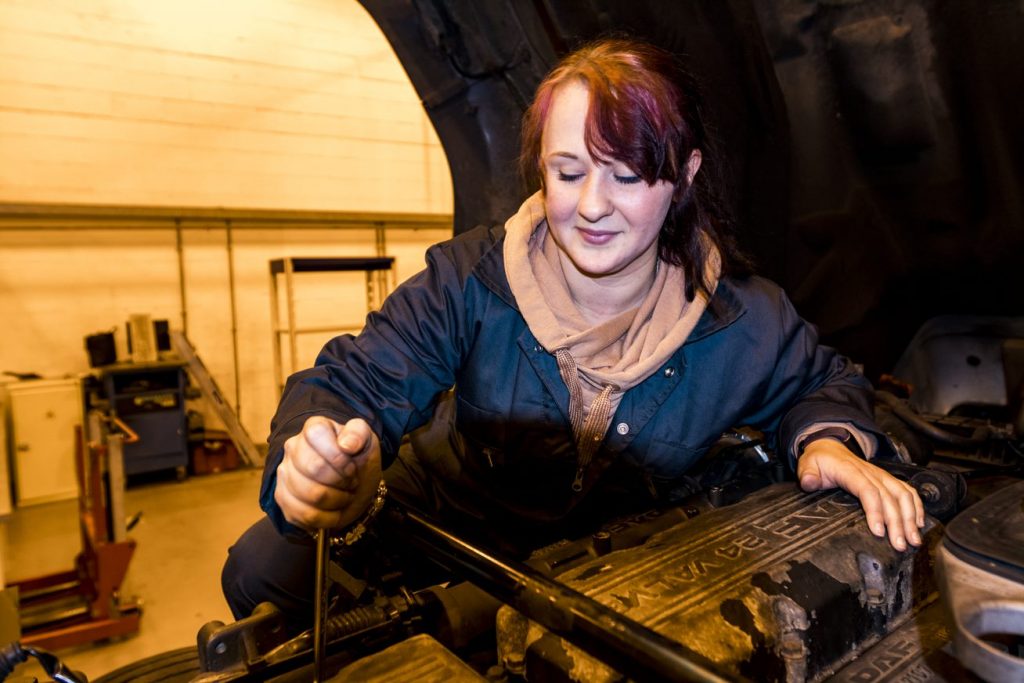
(598,363)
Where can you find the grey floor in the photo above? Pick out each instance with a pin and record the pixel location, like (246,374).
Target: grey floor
(182,540)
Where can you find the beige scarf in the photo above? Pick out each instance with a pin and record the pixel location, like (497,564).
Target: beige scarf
(598,363)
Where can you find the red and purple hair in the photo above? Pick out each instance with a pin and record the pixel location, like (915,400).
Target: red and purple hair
(645,112)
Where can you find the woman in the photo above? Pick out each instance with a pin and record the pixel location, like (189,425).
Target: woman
(597,346)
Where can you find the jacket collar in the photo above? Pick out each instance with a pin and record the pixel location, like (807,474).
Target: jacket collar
(490,269)
(723,310)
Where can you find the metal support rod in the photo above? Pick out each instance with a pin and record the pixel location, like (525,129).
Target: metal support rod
(323,558)
(275,333)
(289,287)
(180,246)
(626,645)
(234,314)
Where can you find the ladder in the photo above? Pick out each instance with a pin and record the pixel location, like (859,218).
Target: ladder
(211,392)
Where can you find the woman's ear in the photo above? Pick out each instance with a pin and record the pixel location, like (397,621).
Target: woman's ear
(692,166)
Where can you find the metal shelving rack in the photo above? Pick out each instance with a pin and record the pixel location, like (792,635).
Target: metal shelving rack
(380,277)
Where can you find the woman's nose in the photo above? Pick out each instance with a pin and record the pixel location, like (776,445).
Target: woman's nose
(594,202)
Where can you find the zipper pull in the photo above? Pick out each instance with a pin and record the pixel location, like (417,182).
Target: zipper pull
(577,483)
(651,487)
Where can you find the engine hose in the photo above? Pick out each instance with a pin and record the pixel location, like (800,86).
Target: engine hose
(14,654)
(354,621)
(907,414)
(338,626)
(10,657)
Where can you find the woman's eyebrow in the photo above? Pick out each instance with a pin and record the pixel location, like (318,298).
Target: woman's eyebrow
(563,155)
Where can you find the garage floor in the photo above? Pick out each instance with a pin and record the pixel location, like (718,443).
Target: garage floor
(182,540)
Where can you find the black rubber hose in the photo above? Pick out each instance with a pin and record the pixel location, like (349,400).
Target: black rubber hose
(915,421)
(354,621)
(10,657)
(14,654)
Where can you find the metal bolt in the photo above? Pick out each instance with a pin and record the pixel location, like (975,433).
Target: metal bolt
(930,492)
(602,542)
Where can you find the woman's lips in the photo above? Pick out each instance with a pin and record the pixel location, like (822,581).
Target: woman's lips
(596,237)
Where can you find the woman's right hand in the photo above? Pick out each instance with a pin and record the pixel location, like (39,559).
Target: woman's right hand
(329,474)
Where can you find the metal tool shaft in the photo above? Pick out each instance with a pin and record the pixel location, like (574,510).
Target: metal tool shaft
(323,558)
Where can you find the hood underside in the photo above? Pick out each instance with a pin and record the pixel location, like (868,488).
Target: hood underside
(873,148)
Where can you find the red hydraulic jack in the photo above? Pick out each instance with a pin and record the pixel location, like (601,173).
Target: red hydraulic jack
(84,604)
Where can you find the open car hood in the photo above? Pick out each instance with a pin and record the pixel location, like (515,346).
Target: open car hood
(874,149)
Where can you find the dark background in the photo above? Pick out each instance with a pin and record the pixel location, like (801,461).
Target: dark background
(875,149)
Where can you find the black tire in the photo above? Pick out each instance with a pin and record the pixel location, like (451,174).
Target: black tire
(176,666)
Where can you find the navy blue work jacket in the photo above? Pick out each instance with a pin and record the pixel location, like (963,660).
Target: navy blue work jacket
(751,360)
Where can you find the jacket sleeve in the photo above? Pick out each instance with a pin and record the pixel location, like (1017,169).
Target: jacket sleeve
(812,384)
(389,375)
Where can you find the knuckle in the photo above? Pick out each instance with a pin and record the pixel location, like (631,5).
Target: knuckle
(303,518)
(322,498)
(872,496)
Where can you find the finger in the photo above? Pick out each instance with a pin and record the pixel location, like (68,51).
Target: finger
(903,508)
(875,489)
(893,509)
(310,464)
(355,436)
(321,433)
(871,501)
(909,502)
(325,498)
(919,510)
(310,492)
(352,442)
(808,474)
(881,507)
(303,515)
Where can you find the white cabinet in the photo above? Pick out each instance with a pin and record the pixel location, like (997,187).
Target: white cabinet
(43,416)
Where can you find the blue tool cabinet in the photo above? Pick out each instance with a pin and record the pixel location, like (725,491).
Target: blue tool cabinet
(150,398)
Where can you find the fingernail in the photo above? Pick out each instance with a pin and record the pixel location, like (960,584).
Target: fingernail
(349,443)
(878,529)
(915,538)
(899,544)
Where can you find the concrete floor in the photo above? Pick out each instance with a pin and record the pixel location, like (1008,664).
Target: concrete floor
(182,540)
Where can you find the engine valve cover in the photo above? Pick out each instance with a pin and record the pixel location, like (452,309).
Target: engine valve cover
(782,586)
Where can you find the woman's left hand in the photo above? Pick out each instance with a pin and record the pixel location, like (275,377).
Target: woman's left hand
(888,502)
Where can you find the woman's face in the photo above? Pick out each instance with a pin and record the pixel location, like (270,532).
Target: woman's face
(602,216)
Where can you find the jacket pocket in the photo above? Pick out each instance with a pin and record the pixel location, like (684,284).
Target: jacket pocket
(482,430)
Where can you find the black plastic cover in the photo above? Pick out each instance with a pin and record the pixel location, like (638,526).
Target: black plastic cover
(990,534)
(420,658)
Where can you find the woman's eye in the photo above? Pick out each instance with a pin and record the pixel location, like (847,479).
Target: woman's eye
(627,179)
(569,177)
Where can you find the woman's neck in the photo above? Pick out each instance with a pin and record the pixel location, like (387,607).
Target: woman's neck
(603,297)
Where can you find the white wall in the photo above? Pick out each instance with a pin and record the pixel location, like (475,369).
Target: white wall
(285,104)
(297,104)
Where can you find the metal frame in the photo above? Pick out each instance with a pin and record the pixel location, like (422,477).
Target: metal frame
(380,276)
